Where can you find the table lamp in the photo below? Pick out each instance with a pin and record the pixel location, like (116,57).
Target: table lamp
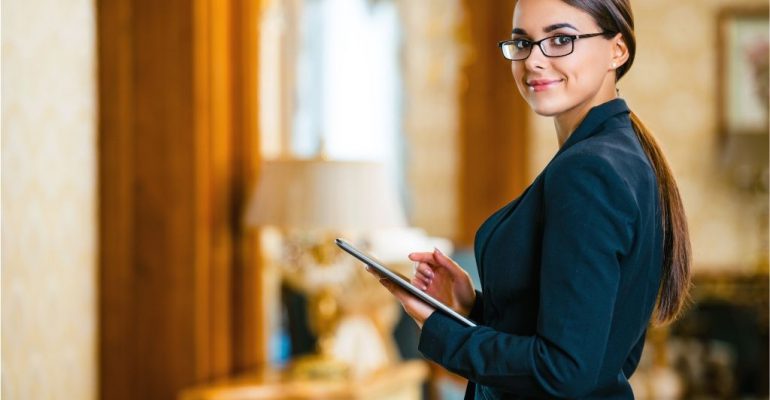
(312,201)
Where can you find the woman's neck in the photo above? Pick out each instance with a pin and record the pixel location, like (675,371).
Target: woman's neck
(568,121)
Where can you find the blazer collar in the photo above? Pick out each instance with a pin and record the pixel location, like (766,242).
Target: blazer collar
(594,119)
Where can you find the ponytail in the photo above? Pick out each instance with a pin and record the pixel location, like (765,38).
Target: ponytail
(675,284)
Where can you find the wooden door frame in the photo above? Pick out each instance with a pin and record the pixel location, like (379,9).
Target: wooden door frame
(179,282)
(493,121)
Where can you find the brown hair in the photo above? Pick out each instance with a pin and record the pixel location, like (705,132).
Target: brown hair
(614,16)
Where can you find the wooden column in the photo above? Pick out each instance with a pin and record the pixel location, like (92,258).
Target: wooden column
(493,121)
(249,334)
(177,149)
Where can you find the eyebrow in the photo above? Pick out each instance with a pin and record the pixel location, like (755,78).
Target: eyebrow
(547,29)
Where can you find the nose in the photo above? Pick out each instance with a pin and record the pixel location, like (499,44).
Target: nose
(536,59)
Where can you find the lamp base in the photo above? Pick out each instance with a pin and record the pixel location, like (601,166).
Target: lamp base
(319,367)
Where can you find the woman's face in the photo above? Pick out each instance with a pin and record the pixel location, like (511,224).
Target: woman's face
(554,85)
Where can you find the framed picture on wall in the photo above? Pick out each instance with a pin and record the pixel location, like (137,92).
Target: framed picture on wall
(743,71)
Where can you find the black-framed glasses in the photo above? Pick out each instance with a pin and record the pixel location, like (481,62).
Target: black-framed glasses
(553,46)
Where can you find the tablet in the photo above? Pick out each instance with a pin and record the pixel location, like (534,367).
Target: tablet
(402,281)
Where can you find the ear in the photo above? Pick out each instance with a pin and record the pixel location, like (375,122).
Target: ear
(619,52)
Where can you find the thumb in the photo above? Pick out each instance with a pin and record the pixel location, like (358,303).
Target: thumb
(447,263)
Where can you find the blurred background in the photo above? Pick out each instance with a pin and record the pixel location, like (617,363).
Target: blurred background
(174,174)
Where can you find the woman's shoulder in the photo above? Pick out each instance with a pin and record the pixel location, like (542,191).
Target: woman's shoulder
(584,163)
(603,165)
(615,151)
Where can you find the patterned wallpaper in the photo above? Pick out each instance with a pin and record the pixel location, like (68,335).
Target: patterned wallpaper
(432,83)
(48,200)
(672,87)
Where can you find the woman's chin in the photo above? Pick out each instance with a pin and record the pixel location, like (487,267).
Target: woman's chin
(548,102)
(545,108)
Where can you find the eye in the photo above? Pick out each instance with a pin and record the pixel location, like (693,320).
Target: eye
(521,44)
(561,40)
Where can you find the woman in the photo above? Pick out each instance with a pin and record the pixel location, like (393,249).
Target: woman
(574,269)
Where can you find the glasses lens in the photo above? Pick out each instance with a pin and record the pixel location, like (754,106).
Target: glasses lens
(558,46)
(513,52)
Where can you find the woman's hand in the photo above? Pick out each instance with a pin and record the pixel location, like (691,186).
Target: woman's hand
(438,276)
(441,277)
(416,308)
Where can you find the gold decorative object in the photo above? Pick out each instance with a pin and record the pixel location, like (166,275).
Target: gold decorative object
(312,201)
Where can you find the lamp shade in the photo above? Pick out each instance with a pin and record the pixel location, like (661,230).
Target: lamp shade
(324,194)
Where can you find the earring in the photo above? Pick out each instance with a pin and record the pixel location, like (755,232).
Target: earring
(614,65)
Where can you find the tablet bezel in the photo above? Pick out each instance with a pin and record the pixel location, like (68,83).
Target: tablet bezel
(401,281)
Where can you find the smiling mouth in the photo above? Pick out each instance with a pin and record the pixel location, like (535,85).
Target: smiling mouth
(541,85)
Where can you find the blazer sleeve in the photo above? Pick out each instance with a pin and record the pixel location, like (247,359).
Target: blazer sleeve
(589,216)
(477,312)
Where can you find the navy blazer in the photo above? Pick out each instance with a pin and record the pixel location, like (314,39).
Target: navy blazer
(570,272)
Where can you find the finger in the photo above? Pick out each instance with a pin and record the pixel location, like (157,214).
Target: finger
(411,304)
(374,272)
(426,257)
(384,282)
(421,283)
(400,294)
(393,289)
(387,284)
(425,270)
(447,263)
